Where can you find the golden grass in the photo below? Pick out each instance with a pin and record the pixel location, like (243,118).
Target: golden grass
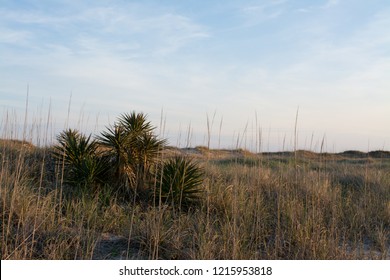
(266,206)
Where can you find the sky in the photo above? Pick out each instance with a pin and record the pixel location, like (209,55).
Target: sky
(261,75)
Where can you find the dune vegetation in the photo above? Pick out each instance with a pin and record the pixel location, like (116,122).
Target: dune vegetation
(126,194)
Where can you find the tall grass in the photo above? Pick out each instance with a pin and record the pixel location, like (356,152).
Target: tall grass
(297,205)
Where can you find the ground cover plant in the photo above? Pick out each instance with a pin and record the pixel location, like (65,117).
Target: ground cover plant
(125,194)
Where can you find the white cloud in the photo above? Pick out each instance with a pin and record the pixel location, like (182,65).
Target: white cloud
(11,36)
(172,31)
(331,4)
(155,34)
(255,14)
(302,10)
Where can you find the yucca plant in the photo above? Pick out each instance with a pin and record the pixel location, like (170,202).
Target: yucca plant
(132,149)
(78,155)
(142,145)
(114,141)
(147,148)
(135,123)
(180,182)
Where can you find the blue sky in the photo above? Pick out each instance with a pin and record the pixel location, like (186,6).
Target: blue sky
(247,65)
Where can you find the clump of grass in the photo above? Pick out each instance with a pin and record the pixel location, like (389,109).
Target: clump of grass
(33,224)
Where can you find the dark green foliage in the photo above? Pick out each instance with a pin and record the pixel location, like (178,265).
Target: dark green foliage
(73,147)
(79,158)
(132,149)
(180,182)
(135,124)
(115,144)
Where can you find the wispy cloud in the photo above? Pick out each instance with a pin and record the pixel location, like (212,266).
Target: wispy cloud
(331,4)
(11,36)
(171,31)
(258,13)
(159,34)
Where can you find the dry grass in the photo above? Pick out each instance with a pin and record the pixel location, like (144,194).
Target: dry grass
(266,206)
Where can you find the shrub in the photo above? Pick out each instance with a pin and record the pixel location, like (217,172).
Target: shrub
(180,182)
(79,158)
(132,149)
